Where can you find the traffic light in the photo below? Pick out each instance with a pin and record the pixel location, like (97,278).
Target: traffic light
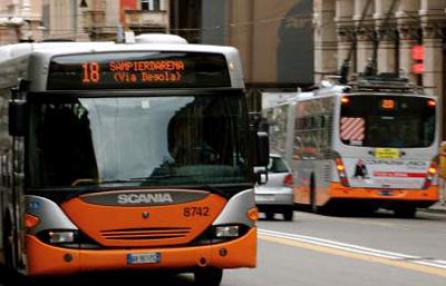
(417,53)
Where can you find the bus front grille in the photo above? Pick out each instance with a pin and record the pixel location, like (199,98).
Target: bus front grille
(153,233)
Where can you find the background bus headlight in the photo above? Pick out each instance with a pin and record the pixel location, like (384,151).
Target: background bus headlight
(227,231)
(63,236)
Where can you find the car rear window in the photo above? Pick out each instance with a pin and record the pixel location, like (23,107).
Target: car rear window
(277,165)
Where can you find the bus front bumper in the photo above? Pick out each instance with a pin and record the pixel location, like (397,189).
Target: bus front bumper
(45,259)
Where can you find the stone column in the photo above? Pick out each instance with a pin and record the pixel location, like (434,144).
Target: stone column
(433,59)
(408,24)
(386,33)
(25,9)
(365,33)
(80,34)
(364,48)
(387,54)
(433,22)
(345,32)
(345,46)
(324,38)
(25,13)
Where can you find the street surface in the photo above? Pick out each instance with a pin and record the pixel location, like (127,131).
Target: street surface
(328,250)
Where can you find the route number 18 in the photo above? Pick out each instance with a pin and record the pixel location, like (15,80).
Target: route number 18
(91,72)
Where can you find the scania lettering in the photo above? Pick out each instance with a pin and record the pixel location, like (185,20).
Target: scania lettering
(144,198)
(114,158)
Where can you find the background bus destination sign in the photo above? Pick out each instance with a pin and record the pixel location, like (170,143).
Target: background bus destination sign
(138,70)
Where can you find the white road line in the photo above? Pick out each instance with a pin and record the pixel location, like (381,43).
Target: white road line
(356,248)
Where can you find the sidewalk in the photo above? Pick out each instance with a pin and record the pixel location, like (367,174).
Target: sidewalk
(439,207)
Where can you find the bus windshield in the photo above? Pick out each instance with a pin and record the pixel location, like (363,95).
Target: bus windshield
(144,141)
(387,121)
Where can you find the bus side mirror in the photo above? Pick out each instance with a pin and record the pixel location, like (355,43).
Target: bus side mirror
(262,156)
(261,177)
(17,118)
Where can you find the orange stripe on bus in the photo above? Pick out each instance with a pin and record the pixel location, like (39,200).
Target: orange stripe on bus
(338,191)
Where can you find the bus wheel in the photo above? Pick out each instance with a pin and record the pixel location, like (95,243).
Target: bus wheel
(405,212)
(208,277)
(288,214)
(269,215)
(313,204)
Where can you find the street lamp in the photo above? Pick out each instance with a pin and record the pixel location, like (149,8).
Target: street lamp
(83,4)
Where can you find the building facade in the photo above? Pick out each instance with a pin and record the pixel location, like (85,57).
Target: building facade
(103,19)
(403,35)
(20,21)
(274,38)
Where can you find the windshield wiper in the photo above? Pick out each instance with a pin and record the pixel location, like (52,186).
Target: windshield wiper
(166,176)
(94,186)
(193,183)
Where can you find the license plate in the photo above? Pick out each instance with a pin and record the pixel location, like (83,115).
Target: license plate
(387,153)
(264,198)
(145,258)
(386,193)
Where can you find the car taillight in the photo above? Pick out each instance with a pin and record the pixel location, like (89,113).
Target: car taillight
(431,172)
(341,172)
(288,180)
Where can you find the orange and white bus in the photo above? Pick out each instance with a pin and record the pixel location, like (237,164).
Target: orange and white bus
(373,144)
(126,156)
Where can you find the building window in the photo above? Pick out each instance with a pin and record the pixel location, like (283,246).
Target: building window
(150,5)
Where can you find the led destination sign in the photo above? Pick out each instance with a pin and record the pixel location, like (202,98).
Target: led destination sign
(138,70)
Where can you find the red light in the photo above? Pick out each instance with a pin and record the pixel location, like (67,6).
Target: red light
(341,172)
(345,100)
(288,180)
(418,52)
(432,170)
(418,68)
(431,103)
(388,104)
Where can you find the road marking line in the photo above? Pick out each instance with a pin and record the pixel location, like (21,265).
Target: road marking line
(340,245)
(362,221)
(431,266)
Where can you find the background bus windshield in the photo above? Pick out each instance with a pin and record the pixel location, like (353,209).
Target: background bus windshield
(176,140)
(387,121)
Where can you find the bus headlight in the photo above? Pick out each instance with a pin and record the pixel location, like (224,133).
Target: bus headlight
(227,231)
(62,236)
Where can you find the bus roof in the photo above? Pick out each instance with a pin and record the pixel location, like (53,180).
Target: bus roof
(381,84)
(31,60)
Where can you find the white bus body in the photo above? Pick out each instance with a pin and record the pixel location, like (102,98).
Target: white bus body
(374,147)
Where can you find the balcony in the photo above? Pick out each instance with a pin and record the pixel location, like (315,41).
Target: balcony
(147,20)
